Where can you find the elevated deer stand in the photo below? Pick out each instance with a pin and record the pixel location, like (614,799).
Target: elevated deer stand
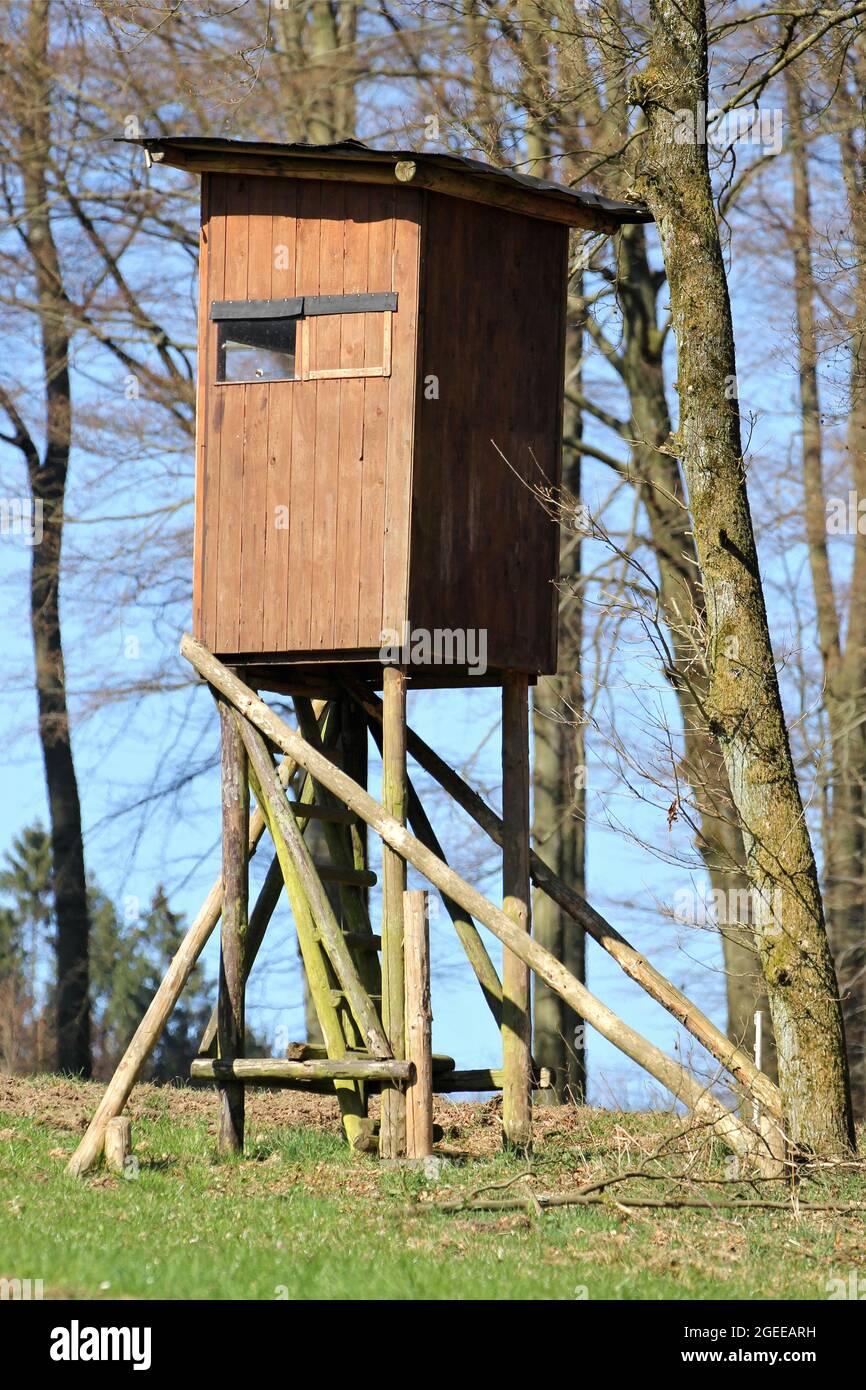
(381,349)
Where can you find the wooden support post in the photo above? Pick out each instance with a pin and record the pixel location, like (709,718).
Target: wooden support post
(392,1129)
(419,1025)
(516,1025)
(118,1144)
(230,1000)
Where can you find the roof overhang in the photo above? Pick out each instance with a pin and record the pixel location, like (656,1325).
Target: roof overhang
(351,161)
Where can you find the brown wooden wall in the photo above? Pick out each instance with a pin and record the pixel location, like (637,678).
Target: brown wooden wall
(336,453)
(483,551)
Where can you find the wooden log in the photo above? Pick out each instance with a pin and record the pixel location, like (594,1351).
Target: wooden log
(118,1143)
(487,1079)
(392,1131)
(232,976)
(668,1072)
(445,1082)
(264,1070)
(733,1058)
(326,923)
(419,1025)
(516,1025)
(306,1052)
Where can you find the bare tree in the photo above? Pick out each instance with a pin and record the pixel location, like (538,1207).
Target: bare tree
(744,706)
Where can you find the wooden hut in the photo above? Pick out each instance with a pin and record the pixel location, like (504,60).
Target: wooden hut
(381,339)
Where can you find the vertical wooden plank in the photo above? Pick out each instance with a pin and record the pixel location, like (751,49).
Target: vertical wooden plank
(233,931)
(278,504)
(201,394)
(253,517)
(401,409)
(231,519)
(392,1134)
(349,556)
(516,1025)
(381,202)
(419,1026)
(299,595)
(327,351)
(216,267)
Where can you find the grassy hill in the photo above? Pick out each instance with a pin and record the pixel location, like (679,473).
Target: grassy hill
(299,1217)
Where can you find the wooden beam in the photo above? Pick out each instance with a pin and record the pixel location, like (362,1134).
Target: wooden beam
(392,1130)
(232,975)
(410,173)
(312,811)
(733,1058)
(700,1100)
(306,1052)
(516,1024)
(162,1005)
(354,878)
(487,1079)
(261,1071)
(419,1025)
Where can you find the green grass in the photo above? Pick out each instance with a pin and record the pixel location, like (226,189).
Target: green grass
(300,1218)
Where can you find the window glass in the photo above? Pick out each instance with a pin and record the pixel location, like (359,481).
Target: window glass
(256,349)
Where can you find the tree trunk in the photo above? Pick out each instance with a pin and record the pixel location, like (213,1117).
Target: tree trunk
(48,487)
(744,708)
(657,474)
(843,680)
(848,933)
(559,804)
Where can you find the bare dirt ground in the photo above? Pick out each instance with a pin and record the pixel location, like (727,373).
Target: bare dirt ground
(474,1127)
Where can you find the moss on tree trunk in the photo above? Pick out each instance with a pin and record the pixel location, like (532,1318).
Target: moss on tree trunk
(744,708)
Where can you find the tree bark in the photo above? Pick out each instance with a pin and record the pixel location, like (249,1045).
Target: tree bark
(744,707)
(657,474)
(48,490)
(559,800)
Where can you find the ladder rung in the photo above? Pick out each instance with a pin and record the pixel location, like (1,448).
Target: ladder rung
(339,996)
(363,940)
(310,810)
(264,1070)
(357,878)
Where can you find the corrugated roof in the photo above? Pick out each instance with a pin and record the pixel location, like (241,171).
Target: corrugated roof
(552,199)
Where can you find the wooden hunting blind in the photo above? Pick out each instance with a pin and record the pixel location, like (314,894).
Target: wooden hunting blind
(381,348)
(379,408)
